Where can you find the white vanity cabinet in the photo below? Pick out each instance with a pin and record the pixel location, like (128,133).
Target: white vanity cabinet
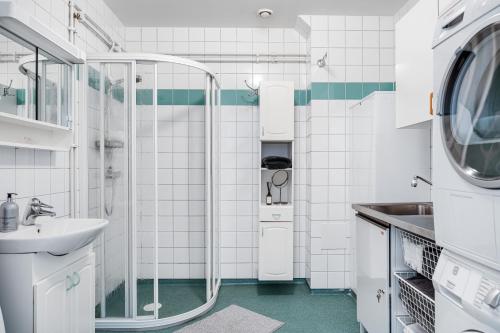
(276,106)
(42,293)
(373,275)
(64,301)
(275,251)
(414,64)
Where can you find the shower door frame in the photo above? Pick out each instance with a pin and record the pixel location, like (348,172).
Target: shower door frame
(213,282)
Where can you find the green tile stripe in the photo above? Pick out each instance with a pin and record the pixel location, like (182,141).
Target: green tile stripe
(186,96)
(94,78)
(191,96)
(20,96)
(347,90)
(197,97)
(171,97)
(50,96)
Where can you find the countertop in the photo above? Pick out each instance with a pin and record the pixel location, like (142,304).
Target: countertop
(422,225)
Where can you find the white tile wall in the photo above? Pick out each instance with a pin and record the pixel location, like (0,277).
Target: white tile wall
(35,173)
(360,49)
(41,173)
(239,145)
(44,173)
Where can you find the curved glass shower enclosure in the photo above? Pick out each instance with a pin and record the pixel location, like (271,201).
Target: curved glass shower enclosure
(153,172)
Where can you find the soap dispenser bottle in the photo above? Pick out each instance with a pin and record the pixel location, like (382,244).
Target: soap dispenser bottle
(9,214)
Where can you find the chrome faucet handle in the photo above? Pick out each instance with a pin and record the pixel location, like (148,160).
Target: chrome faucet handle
(36,209)
(39,203)
(39,211)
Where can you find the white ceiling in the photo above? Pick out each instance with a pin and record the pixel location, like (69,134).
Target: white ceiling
(240,13)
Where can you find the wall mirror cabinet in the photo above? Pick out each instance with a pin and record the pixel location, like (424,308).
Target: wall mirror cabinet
(37,79)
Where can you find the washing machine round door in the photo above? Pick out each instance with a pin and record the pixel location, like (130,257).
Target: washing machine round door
(470,109)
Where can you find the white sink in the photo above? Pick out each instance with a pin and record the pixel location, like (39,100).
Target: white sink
(55,236)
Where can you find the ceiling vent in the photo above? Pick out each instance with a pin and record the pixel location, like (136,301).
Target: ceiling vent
(265,12)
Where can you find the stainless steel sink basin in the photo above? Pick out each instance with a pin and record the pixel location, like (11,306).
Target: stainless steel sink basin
(404,208)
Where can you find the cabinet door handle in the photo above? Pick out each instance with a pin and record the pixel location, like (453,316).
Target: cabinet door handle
(431,99)
(262,131)
(76,277)
(69,283)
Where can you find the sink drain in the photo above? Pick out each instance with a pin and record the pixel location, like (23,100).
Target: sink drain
(151,307)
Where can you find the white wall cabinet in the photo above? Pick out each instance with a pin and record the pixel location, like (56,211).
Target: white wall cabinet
(275,251)
(276,106)
(414,64)
(52,294)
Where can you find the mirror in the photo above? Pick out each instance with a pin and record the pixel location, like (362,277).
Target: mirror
(33,84)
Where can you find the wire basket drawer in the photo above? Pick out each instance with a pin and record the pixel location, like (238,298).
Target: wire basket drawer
(417,296)
(427,251)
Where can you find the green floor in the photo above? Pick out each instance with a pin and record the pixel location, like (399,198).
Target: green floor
(292,304)
(176,297)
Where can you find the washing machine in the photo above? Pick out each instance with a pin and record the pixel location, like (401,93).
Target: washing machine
(466,131)
(467,296)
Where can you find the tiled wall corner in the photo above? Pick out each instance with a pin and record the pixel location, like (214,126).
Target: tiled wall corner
(360,60)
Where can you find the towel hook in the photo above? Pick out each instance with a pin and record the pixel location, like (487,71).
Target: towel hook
(254,91)
(322,61)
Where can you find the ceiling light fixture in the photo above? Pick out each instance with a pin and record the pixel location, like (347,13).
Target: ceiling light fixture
(265,12)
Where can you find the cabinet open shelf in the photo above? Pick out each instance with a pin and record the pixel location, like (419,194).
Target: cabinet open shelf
(286,190)
(28,133)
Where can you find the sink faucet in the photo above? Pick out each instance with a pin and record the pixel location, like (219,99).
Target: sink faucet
(414,181)
(36,209)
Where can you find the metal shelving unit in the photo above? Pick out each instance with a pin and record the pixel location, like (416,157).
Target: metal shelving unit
(413,300)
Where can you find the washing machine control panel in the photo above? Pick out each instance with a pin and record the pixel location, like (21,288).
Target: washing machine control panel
(487,297)
(472,286)
(454,278)
(492,298)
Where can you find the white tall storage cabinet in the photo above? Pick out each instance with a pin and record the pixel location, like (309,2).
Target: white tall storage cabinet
(384,158)
(276,220)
